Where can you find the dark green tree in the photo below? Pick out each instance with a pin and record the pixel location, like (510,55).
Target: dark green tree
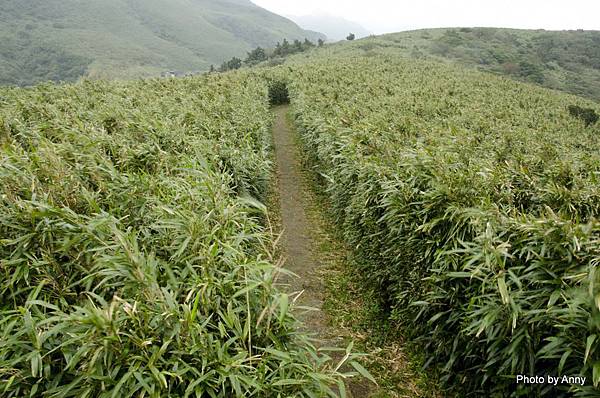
(320,42)
(351,36)
(283,49)
(297,46)
(308,44)
(531,72)
(255,56)
(232,64)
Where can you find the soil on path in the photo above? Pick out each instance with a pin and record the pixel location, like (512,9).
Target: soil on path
(301,253)
(296,240)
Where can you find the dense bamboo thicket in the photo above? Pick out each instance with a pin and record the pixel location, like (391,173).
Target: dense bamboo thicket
(472,202)
(134,259)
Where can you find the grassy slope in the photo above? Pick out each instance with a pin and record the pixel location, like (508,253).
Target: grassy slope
(563,60)
(63,40)
(398,117)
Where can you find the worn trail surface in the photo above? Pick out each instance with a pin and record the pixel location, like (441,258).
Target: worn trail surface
(301,252)
(296,240)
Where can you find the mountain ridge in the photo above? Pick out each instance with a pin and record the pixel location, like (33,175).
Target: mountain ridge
(65,40)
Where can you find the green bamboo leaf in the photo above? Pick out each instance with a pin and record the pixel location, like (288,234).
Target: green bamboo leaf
(503,289)
(588,346)
(363,372)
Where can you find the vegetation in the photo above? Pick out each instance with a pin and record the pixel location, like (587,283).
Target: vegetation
(588,115)
(563,60)
(135,253)
(67,39)
(134,256)
(258,55)
(472,204)
(233,64)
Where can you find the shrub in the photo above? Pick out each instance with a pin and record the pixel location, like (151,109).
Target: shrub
(588,115)
(278,92)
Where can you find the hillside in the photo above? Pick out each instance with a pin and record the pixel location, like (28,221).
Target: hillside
(139,230)
(65,39)
(471,204)
(563,60)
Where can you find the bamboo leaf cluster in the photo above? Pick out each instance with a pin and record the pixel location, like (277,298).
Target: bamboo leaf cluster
(472,202)
(134,258)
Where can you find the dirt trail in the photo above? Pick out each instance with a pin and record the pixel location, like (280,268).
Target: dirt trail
(296,240)
(301,253)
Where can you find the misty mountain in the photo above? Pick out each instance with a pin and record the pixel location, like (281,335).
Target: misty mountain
(335,28)
(66,39)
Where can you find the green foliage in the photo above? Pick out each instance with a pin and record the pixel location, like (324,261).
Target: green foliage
(285,49)
(563,60)
(134,259)
(588,115)
(233,64)
(255,56)
(472,202)
(531,72)
(278,92)
(350,37)
(63,40)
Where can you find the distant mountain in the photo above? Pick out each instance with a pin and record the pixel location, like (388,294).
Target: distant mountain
(66,39)
(335,28)
(563,60)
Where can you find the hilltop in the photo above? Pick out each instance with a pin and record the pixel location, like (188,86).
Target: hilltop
(564,60)
(64,40)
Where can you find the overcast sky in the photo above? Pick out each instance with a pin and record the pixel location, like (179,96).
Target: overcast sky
(381,16)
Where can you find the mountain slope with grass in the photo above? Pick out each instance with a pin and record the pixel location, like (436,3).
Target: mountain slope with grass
(64,40)
(471,204)
(563,60)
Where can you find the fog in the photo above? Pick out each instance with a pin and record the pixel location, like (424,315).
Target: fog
(382,16)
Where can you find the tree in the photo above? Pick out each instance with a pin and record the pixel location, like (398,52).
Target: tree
(297,46)
(320,42)
(255,56)
(212,69)
(531,72)
(351,36)
(233,63)
(283,49)
(307,44)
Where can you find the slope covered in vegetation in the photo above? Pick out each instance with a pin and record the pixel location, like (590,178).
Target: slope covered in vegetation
(134,258)
(66,39)
(562,60)
(472,202)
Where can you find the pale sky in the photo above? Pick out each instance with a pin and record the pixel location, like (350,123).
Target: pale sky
(382,16)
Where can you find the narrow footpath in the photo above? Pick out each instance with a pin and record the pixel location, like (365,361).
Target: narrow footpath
(300,251)
(296,240)
(322,277)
